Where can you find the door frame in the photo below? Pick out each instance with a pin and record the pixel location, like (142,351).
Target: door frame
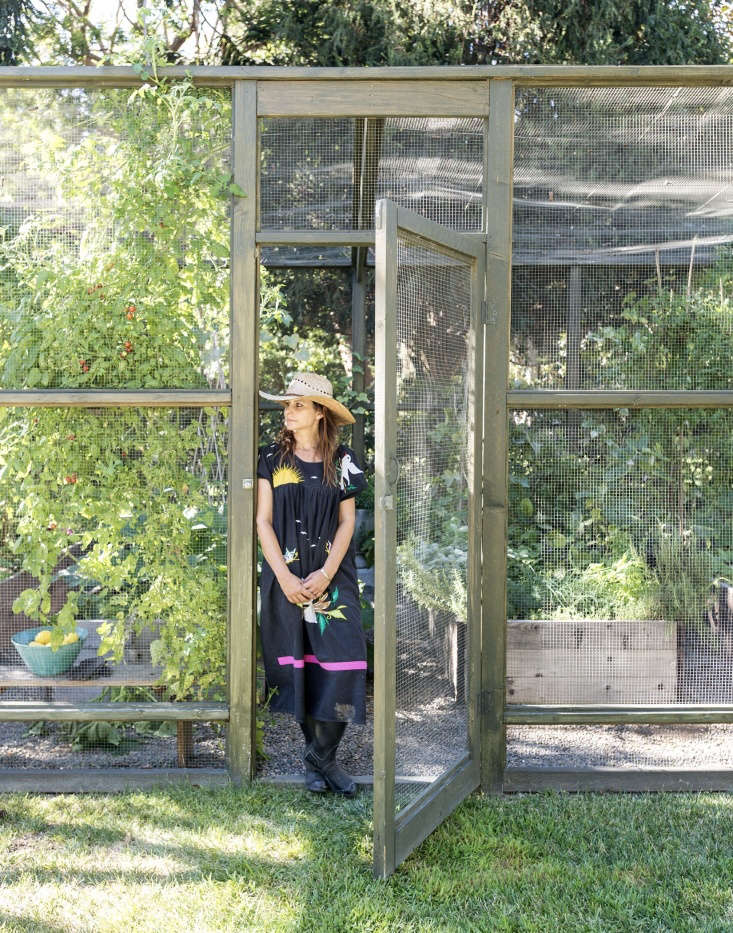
(397,834)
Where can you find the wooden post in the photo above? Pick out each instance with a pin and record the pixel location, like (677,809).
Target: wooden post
(184,743)
(385,536)
(368,140)
(243,437)
(498,175)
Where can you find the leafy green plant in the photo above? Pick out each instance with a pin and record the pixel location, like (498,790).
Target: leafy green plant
(434,572)
(684,573)
(100,733)
(135,297)
(366,549)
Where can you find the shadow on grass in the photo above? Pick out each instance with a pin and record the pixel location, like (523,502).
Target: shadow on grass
(246,834)
(19,923)
(535,862)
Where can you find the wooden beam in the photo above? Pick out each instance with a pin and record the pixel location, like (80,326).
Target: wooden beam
(315,238)
(616,780)
(105,780)
(383,98)
(429,810)
(242,549)
(31,710)
(474,472)
(520,75)
(552,714)
(111,398)
(525,399)
(498,178)
(122,675)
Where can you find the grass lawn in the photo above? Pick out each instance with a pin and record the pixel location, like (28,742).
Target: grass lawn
(271,859)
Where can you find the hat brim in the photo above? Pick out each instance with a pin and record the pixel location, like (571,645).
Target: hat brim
(342,413)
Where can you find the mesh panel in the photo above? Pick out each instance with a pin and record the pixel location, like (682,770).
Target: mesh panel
(620,557)
(623,225)
(113,528)
(433,316)
(114,239)
(327,173)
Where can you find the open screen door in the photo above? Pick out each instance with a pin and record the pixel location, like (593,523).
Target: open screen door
(428,381)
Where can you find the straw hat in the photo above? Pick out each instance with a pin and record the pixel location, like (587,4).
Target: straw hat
(318,389)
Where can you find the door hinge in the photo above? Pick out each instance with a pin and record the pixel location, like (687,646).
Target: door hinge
(484,312)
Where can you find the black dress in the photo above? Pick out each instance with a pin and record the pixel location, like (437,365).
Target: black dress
(314,655)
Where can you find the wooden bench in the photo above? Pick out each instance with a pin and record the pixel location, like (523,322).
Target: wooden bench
(123,675)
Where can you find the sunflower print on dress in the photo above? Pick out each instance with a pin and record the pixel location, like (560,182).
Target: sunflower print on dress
(286,474)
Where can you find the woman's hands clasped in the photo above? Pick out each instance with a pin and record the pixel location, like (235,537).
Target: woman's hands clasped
(315,584)
(294,589)
(303,591)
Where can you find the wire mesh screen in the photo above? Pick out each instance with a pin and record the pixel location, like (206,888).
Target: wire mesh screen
(327,173)
(113,574)
(114,238)
(621,557)
(683,747)
(432,636)
(623,225)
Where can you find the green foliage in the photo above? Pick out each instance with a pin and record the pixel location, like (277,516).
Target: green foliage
(365,498)
(363,33)
(434,572)
(15,18)
(648,487)
(135,297)
(100,733)
(684,574)
(638,32)
(620,589)
(390,32)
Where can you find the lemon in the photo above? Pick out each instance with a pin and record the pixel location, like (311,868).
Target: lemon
(43,637)
(70,638)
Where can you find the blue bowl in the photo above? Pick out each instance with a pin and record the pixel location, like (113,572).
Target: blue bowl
(42,660)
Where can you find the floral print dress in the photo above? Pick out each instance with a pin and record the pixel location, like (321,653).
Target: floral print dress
(315,655)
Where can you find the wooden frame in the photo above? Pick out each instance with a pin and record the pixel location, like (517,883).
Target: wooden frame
(396,834)
(385,530)
(483,91)
(242,548)
(385,98)
(498,174)
(700,713)
(519,75)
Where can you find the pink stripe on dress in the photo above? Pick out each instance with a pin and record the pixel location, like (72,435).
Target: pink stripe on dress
(326,665)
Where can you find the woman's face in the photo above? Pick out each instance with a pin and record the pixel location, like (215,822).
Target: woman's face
(301,414)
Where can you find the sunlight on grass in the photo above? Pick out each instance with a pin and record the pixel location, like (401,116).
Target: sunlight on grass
(262,858)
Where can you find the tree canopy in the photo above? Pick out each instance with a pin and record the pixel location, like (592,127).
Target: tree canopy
(369,32)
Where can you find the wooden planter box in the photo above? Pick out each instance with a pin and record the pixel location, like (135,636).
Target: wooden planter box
(591,661)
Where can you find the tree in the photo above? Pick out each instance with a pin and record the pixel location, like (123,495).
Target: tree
(15,18)
(638,32)
(392,32)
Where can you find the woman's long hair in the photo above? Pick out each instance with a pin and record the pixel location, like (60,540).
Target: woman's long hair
(328,441)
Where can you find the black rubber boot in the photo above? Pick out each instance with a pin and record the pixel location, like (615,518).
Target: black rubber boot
(313,780)
(321,754)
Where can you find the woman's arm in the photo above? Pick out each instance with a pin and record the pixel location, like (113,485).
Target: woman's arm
(291,585)
(316,583)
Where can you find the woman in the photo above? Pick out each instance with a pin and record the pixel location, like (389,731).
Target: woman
(310,618)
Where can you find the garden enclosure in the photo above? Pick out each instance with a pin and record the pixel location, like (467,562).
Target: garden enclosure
(537,333)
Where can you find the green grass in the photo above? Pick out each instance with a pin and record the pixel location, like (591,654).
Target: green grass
(269,859)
